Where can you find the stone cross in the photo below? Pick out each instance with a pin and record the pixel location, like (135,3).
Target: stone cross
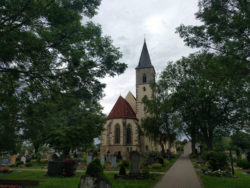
(134,163)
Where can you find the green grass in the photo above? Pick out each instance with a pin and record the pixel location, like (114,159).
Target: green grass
(240,181)
(72,182)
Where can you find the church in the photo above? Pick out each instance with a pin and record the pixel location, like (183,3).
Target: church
(123,132)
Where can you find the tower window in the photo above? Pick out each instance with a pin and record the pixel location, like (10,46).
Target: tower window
(117,134)
(144,78)
(144,89)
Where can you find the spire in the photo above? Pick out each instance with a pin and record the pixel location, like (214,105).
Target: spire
(144,61)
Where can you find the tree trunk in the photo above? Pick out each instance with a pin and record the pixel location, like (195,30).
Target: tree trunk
(193,139)
(38,158)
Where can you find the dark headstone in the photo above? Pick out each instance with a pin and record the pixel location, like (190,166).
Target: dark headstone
(134,163)
(55,168)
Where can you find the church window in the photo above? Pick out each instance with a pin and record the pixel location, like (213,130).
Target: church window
(128,135)
(144,78)
(117,134)
(144,89)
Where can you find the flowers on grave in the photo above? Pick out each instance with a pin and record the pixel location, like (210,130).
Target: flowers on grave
(69,167)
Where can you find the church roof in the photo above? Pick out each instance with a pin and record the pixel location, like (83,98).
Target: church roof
(122,109)
(144,61)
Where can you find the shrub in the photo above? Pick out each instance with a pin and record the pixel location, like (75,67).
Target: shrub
(69,167)
(243,163)
(125,163)
(205,156)
(217,160)
(145,173)
(180,148)
(166,162)
(156,166)
(95,169)
(18,163)
(154,154)
(28,164)
(122,170)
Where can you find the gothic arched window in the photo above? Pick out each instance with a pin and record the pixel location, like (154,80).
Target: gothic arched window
(128,135)
(144,78)
(117,134)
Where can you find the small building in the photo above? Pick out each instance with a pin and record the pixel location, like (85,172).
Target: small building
(122,131)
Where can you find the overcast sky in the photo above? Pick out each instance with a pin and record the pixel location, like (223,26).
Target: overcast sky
(127,21)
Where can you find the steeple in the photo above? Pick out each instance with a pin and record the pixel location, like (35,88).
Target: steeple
(144,61)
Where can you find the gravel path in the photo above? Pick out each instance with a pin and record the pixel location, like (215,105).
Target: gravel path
(181,175)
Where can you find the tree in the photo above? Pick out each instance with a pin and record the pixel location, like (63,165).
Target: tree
(224,32)
(160,125)
(225,29)
(241,140)
(202,99)
(56,61)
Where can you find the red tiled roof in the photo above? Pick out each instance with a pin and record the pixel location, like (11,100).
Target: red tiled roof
(122,109)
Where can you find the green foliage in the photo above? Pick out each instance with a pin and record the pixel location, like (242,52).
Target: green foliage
(125,163)
(162,125)
(122,170)
(166,162)
(243,163)
(29,164)
(241,140)
(146,173)
(156,166)
(223,32)
(51,63)
(95,169)
(216,160)
(224,28)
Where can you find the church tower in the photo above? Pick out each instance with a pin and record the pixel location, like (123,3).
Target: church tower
(145,75)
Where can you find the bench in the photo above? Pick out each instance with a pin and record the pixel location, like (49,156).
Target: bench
(17,183)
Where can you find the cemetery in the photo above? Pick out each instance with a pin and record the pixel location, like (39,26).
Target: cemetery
(50,171)
(124,94)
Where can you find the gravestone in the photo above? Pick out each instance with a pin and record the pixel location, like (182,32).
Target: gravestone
(89,159)
(102,159)
(134,163)
(108,157)
(13,159)
(5,161)
(92,182)
(23,159)
(113,161)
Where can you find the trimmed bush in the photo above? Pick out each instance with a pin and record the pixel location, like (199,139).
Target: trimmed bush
(28,164)
(18,163)
(122,170)
(146,173)
(69,167)
(156,166)
(217,160)
(125,163)
(243,163)
(95,169)
(166,162)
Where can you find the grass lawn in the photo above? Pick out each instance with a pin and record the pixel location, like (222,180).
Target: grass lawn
(240,181)
(72,182)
